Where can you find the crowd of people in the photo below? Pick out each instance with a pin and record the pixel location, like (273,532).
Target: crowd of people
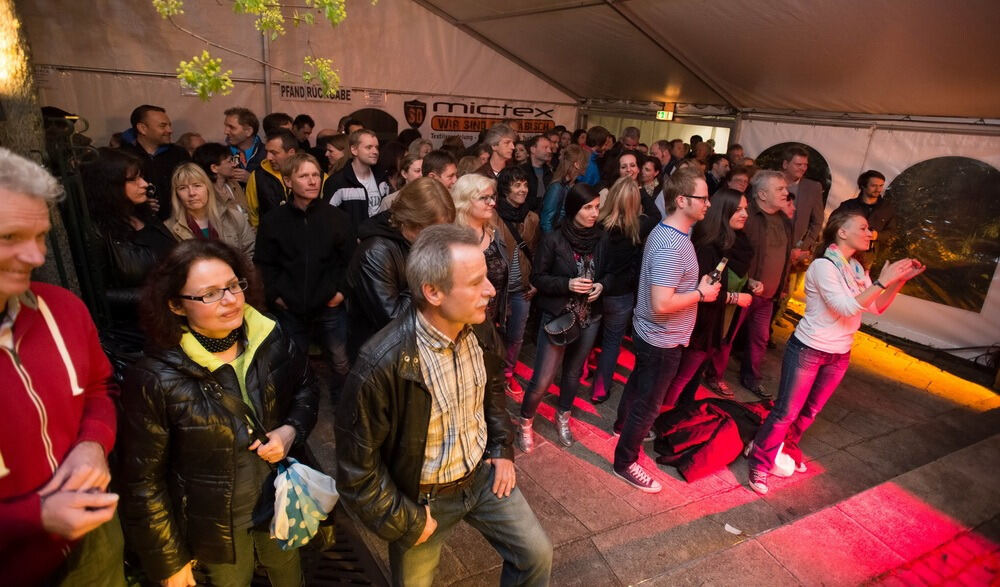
(416,272)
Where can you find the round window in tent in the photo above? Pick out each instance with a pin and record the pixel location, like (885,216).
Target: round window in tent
(818,170)
(380,121)
(947,215)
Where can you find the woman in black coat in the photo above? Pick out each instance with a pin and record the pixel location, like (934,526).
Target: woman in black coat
(131,239)
(195,483)
(570,271)
(719,235)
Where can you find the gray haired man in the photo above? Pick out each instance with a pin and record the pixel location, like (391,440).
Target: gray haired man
(423,439)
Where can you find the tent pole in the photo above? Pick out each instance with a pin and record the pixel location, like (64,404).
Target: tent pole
(266,52)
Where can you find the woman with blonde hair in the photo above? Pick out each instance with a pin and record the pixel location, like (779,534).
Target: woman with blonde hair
(376,276)
(572,164)
(196,212)
(622,218)
(475,199)
(420,147)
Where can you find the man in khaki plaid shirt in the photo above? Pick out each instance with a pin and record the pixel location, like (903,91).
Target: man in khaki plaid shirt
(423,437)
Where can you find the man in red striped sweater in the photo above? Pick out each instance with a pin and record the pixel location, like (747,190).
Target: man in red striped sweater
(57,520)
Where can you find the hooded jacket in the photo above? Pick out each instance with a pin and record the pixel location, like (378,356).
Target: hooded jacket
(265,191)
(303,255)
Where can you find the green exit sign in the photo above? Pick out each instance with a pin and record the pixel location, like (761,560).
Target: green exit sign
(664,115)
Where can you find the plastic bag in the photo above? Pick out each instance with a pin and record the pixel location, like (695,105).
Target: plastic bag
(303,497)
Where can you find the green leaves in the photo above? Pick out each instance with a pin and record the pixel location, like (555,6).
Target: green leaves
(321,71)
(168,8)
(204,75)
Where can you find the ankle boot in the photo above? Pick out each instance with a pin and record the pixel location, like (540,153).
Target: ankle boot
(525,439)
(562,427)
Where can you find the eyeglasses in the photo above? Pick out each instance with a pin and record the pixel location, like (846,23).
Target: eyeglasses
(217,294)
(486,199)
(696,197)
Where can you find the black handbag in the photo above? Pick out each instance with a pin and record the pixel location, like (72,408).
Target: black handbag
(564,329)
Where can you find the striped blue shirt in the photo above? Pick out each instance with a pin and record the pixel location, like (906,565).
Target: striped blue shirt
(668,260)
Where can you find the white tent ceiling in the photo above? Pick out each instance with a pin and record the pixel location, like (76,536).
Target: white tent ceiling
(882,57)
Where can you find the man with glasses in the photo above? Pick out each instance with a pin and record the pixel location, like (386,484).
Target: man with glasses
(303,249)
(668,294)
(770,232)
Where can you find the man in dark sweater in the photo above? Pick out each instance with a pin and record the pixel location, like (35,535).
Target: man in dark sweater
(149,139)
(302,252)
(881,215)
(770,233)
(537,169)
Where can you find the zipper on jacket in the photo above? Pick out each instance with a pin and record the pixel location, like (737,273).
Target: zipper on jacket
(39,406)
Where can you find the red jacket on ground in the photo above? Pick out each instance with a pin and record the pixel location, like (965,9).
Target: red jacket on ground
(44,415)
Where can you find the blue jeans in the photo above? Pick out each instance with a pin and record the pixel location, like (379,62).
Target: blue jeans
(283,567)
(758,325)
(655,367)
(548,358)
(808,378)
(331,326)
(514,336)
(507,523)
(617,316)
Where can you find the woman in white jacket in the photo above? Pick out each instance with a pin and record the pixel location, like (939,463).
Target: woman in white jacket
(838,290)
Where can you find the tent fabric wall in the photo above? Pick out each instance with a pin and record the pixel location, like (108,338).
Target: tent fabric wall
(395,46)
(849,151)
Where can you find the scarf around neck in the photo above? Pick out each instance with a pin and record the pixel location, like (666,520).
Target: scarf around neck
(581,240)
(853,272)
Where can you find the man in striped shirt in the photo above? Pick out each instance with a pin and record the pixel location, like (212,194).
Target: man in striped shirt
(423,439)
(669,291)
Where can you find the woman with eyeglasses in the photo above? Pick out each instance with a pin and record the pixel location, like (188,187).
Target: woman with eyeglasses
(195,483)
(572,165)
(475,199)
(131,239)
(571,271)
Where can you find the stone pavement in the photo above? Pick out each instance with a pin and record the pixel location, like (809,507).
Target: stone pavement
(903,484)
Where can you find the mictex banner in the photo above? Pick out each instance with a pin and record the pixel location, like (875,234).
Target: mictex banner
(436,117)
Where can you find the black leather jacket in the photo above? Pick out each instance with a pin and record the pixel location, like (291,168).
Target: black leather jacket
(376,278)
(179,448)
(381,427)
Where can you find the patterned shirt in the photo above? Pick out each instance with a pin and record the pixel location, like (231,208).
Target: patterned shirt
(455,375)
(669,260)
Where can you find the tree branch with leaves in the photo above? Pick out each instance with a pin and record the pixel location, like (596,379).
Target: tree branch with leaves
(205,75)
